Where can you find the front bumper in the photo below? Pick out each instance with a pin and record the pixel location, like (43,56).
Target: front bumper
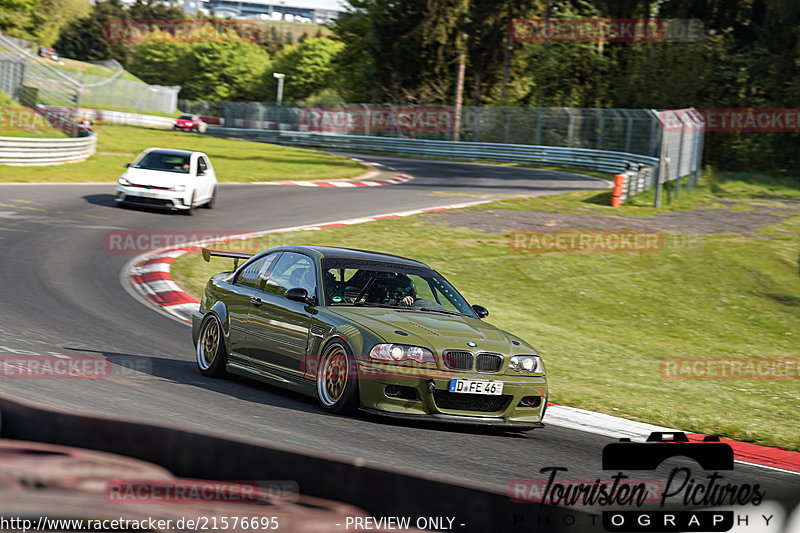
(158,198)
(489,421)
(405,392)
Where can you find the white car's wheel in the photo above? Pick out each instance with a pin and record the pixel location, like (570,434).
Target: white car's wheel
(190,211)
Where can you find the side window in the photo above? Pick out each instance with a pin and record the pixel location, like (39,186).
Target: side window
(255,272)
(293,270)
(201,165)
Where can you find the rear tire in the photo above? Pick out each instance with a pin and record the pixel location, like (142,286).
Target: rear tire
(337,379)
(211,355)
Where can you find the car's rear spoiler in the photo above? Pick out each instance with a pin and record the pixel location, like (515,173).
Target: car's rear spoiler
(207,254)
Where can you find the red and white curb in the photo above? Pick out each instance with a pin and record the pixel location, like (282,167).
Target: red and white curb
(615,427)
(401,177)
(147,278)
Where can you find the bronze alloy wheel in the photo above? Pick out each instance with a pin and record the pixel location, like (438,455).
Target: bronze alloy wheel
(211,348)
(336,379)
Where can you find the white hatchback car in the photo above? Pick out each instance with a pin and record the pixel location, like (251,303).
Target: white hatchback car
(169,179)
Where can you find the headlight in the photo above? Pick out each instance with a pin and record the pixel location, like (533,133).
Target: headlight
(123,180)
(400,352)
(528,363)
(179,188)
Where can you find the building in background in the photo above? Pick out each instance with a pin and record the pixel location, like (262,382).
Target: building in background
(302,11)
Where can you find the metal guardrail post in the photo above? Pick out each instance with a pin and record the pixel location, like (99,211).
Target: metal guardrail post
(628,130)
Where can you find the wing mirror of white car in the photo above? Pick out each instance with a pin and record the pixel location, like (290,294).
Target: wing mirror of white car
(127,165)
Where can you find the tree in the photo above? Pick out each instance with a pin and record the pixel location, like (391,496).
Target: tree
(400,51)
(221,71)
(308,68)
(162,63)
(55,14)
(84,39)
(212,70)
(18,18)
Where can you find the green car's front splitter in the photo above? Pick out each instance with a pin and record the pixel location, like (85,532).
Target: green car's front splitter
(420,394)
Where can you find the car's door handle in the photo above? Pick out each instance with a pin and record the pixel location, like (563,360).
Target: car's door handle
(256,301)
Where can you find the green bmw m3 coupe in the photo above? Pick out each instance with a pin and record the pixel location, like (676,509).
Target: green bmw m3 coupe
(369,331)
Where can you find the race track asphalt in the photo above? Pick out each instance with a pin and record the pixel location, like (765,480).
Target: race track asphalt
(62,294)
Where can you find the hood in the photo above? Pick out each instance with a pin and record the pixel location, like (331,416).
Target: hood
(155,178)
(436,331)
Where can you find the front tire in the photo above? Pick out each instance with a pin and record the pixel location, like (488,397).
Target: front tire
(211,356)
(337,379)
(213,201)
(190,211)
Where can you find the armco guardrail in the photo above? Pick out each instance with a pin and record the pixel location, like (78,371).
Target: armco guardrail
(25,151)
(114,117)
(135,119)
(601,160)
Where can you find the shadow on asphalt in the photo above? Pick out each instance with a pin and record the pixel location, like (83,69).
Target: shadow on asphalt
(130,366)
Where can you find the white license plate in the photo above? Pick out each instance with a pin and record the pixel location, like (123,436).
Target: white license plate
(476,386)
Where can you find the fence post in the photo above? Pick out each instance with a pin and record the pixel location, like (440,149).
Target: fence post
(507,125)
(680,158)
(538,126)
(628,130)
(600,127)
(570,128)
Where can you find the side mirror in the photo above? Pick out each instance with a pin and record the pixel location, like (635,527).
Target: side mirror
(127,165)
(298,294)
(201,172)
(481,311)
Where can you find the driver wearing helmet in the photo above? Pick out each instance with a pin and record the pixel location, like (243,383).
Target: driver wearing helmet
(401,289)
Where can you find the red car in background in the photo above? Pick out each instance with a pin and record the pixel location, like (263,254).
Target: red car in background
(188,122)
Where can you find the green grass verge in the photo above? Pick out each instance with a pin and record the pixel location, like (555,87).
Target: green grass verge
(603,322)
(234,161)
(6,102)
(34,134)
(82,67)
(712,187)
(134,110)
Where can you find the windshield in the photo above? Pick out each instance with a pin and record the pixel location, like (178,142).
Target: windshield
(187,117)
(371,284)
(164,162)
